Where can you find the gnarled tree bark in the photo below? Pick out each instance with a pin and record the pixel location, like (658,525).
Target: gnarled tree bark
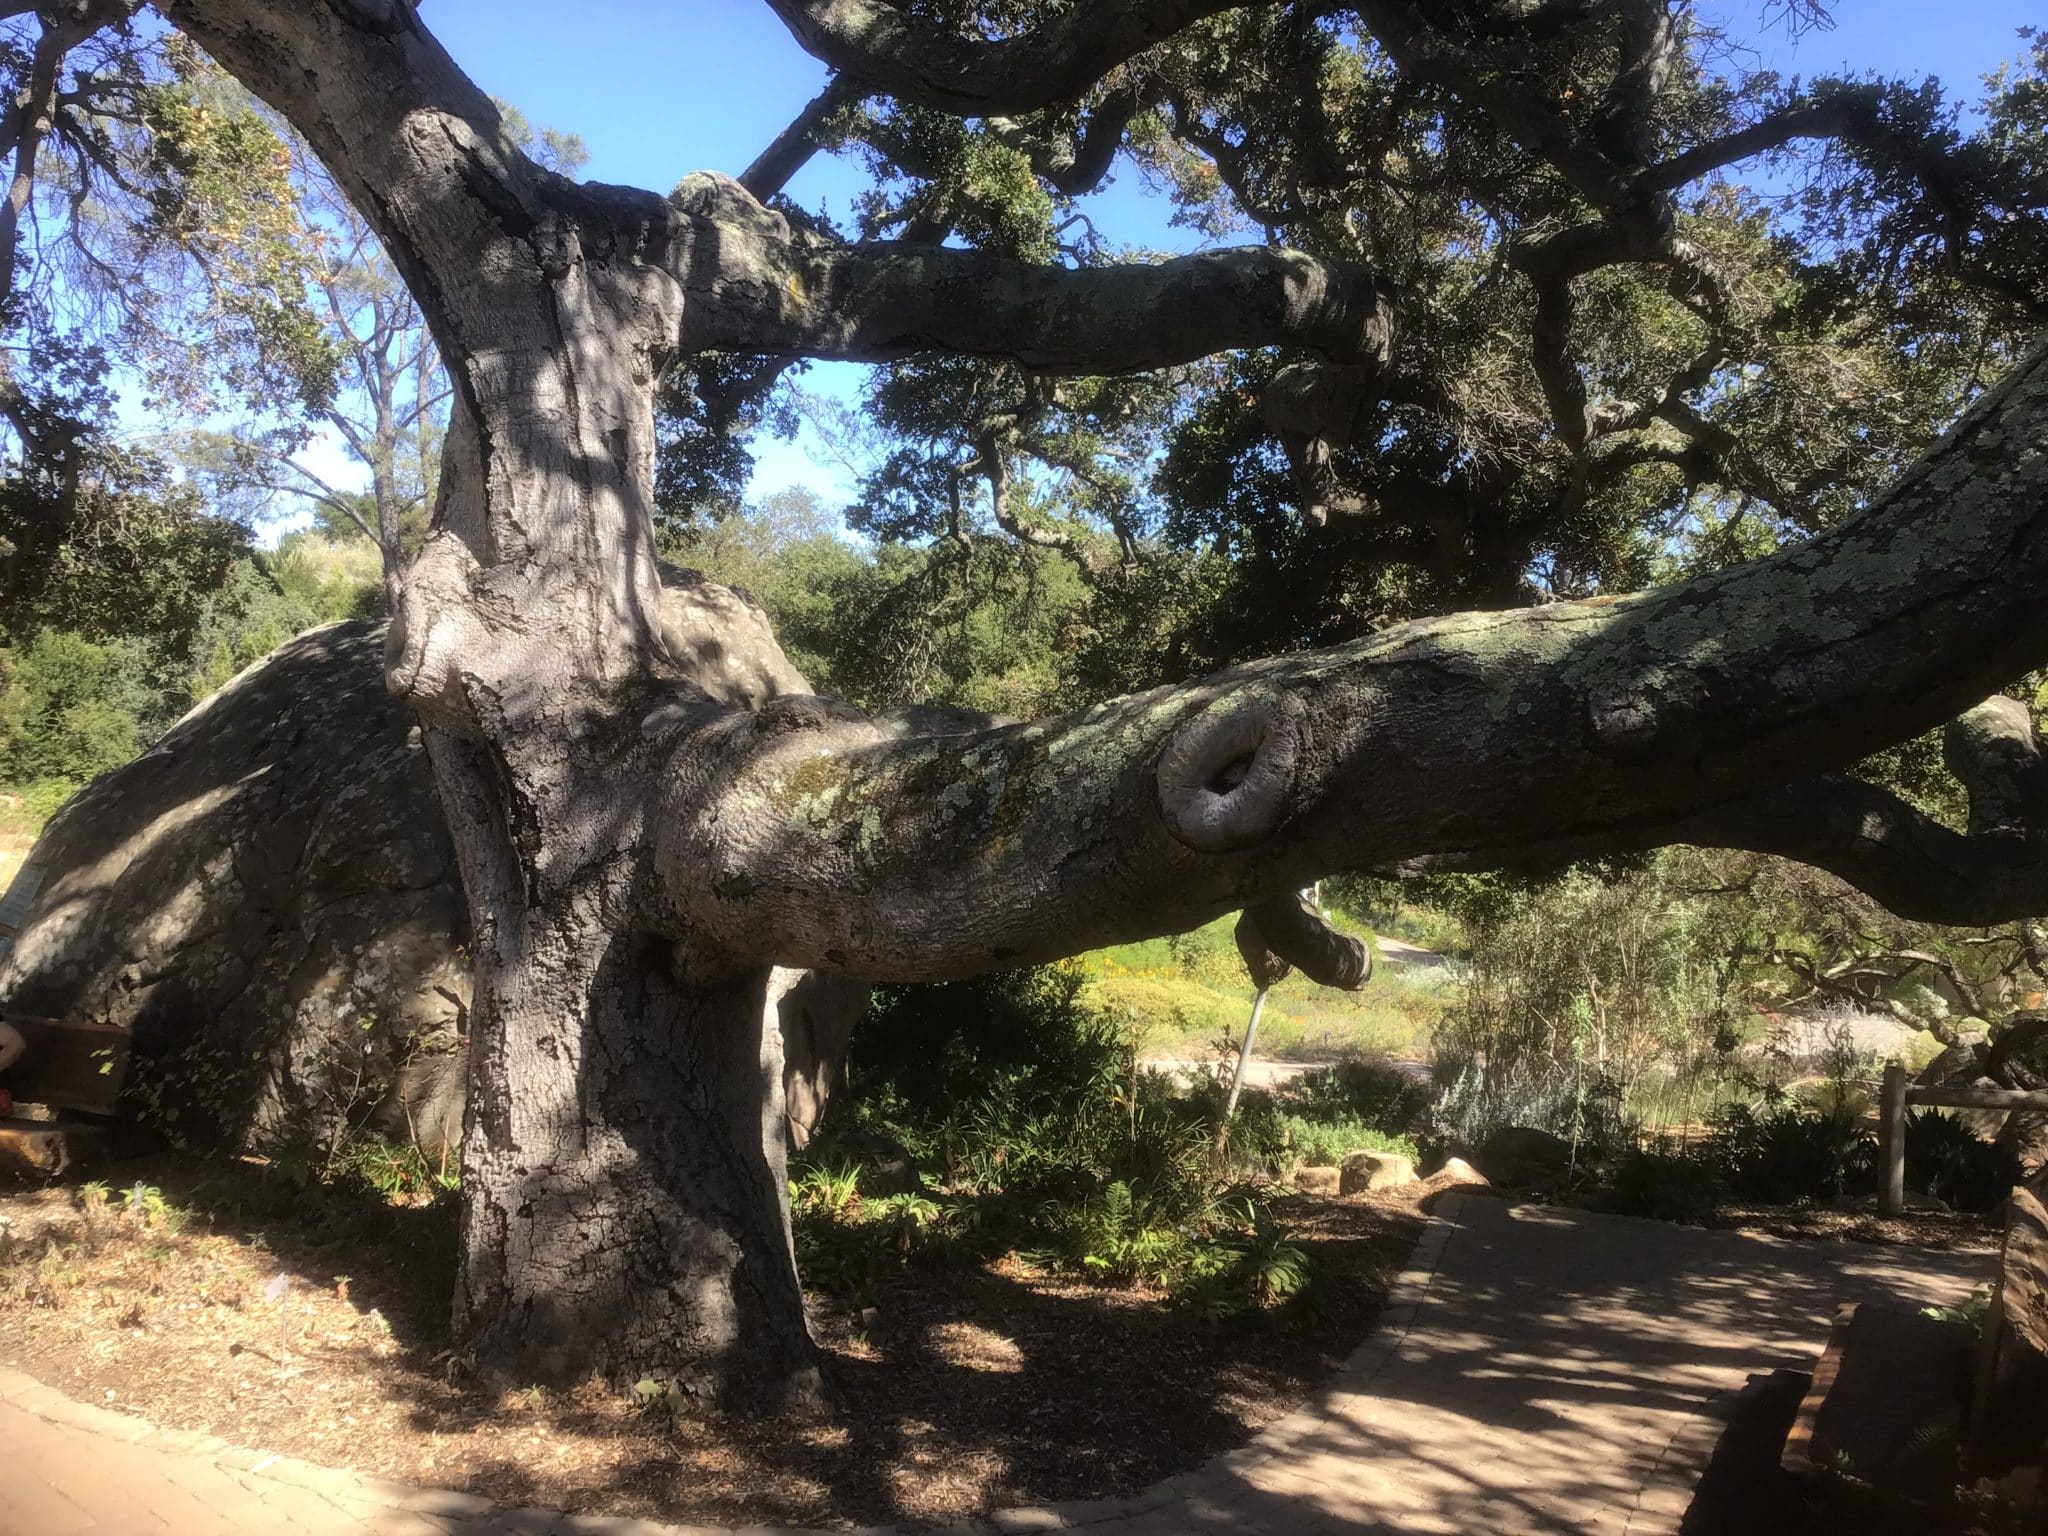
(656,829)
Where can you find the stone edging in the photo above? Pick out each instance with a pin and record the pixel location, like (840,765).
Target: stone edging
(443,1510)
(1667,1490)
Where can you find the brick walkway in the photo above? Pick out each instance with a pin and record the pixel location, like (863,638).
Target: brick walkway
(1536,1371)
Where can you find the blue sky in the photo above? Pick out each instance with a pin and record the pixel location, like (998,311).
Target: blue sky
(660,89)
(657,90)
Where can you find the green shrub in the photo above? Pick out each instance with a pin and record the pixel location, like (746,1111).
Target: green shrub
(1948,1160)
(1784,1154)
(1377,1093)
(1326,1143)
(399,1171)
(1037,1133)
(67,712)
(1254,1264)
(1020,1035)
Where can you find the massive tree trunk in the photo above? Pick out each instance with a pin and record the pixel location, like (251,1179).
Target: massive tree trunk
(652,819)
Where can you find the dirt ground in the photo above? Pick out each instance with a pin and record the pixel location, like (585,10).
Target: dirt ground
(1859,1223)
(227,1300)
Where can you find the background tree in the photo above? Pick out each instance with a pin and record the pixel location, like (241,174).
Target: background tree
(389,404)
(167,236)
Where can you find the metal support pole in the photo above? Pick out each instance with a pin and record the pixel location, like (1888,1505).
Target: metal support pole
(1244,1060)
(1891,1142)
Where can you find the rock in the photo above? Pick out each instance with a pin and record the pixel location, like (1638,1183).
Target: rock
(2010,1413)
(1953,1061)
(268,899)
(1318,1181)
(1365,1172)
(1458,1171)
(1523,1155)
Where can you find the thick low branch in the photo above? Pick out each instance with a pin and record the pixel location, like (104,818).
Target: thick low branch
(924,62)
(1901,857)
(809,835)
(1889,849)
(1288,933)
(751,286)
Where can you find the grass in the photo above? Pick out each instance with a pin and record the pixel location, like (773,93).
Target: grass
(1186,994)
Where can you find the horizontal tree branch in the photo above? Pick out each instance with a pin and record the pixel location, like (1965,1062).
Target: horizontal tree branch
(1890,850)
(924,62)
(751,286)
(810,835)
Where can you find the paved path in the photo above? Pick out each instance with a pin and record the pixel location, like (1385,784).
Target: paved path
(1267,1072)
(1536,1371)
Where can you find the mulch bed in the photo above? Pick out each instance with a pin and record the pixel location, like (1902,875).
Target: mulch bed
(305,1322)
(1860,1223)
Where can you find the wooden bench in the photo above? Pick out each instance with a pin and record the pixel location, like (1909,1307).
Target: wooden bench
(70,1065)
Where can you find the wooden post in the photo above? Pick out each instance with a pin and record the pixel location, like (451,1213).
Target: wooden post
(1891,1142)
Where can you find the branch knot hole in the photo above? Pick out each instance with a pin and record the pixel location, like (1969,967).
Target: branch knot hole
(1226,778)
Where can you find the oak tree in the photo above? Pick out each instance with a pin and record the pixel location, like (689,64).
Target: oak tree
(661,831)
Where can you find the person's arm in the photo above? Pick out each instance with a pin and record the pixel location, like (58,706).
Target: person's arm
(11,1045)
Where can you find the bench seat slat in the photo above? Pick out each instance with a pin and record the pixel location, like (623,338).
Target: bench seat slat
(69,1064)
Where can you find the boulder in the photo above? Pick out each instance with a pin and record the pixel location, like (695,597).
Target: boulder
(1365,1172)
(1457,1171)
(1522,1155)
(267,899)
(1318,1181)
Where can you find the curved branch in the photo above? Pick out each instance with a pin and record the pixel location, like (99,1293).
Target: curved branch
(810,835)
(752,286)
(1905,859)
(1288,933)
(920,61)
(1076,166)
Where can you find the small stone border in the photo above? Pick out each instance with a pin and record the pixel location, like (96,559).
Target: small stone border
(444,1512)
(1667,1491)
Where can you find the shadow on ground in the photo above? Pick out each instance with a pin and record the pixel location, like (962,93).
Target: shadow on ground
(962,1391)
